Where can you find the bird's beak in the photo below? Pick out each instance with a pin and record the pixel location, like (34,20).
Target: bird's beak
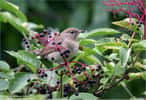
(82,31)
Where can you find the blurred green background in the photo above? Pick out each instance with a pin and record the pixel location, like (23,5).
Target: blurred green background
(61,14)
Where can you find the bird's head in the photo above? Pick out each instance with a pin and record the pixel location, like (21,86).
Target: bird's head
(71,33)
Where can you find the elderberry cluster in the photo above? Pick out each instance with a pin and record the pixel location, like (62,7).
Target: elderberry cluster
(68,90)
(26,43)
(138,24)
(41,88)
(91,80)
(41,73)
(45,37)
(38,86)
(65,53)
(78,70)
(77,86)
(42,38)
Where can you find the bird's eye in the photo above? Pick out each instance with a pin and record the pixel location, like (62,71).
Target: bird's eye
(72,32)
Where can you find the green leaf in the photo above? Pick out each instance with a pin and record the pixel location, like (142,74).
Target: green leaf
(124,56)
(143,75)
(26,58)
(35,97)
(31,26)
(79,55)
(86,42)
(4,84)
(5,5)
(104,81)
(83,96)
(109,68)
(19,82)
(106,39)
(7,17)
(140,46)
(56,94)
(138,75)
(66,79)
(90,59)
(126,24)
(89,51)
(112,56)
(6,75)
(30,97)
(4,66)
(99,32)
(144,61)
(110,45)
(118,70)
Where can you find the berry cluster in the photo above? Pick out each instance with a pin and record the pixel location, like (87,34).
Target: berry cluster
(78,69)
(42,38)
(35,86)
(65,53)
(26,43)
(38,86)
(41,73)
(67,90)
(138,24)
(88,80)
(45,37)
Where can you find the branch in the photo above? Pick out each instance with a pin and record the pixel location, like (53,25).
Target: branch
(97,93)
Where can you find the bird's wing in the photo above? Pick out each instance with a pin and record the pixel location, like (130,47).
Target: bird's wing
(50,47)
(55,57)
(46,50)
(71,44)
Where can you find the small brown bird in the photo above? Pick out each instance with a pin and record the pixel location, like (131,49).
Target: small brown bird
(65,45)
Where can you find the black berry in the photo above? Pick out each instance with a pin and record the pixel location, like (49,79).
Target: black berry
(45,75)
(58,82)
(50,36)
(59,43)
(28,46)
(28,80)
(52,58)
(66,56)
(67,51)
(49,96)
(53,43)
(76,93)
(91,81)
(65,94)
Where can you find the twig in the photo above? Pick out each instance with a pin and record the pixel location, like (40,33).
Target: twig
(61,85)
(97,93)
(130,41)
(19,69)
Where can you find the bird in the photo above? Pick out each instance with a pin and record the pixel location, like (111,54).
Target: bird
(62,47)
(70,48)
